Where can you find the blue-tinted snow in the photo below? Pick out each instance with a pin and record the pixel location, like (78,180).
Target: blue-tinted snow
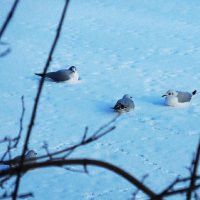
(142,48)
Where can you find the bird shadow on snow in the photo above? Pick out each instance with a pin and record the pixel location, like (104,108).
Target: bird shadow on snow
(104,107)
(36,78)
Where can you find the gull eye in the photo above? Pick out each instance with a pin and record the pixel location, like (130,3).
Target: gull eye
(169,93)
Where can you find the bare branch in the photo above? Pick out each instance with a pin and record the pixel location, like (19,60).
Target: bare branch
(21,124)
(45,146)
(71,149)
(15,140)
(85,134)
(3,180)
(84,162)
(32,120)
(194,172)
(9,17)
(182,190)
(74,170)
(193,178)
(8,151)
(20,196)
(170,187)
(136,192)
(84,140)
(105,126)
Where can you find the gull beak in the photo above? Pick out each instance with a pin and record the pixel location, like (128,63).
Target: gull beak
(164,95)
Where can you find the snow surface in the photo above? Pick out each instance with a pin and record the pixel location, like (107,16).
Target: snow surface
(139,47)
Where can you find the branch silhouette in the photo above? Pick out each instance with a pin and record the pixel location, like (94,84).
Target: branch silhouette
(84,162)
(61,158)
(8,19)
(13,142)
(32,120)
(195,165)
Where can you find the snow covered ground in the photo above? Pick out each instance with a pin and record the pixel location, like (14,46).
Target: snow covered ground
(139,47)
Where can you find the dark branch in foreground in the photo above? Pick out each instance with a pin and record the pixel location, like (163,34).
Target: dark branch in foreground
(31,124)
(61,161)
(169,191)
(89,162)
(20,196)
(9,17)
(84,162)
(194,172)
(102,131)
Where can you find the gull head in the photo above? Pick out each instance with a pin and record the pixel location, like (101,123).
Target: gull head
(72,68)
(170,93)
(127,96)
(31,154)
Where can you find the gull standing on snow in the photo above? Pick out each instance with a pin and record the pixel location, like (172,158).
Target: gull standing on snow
(70,74)
(31,154)
(177,98)
(124,104)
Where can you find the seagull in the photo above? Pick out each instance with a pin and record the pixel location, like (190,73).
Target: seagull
(178,98)
(70,74)
(124,104)
(31,154)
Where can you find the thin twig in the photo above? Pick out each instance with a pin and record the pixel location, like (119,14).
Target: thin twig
(175,182)
(85,134)
(170,187)
(15,140)
(137,190)
(194,172)
(32,120)
(70,149)
(106,125)
(74,170)
(86,141)
(21,124)
(2,181)
(9,17)
(181,190)
(45,147)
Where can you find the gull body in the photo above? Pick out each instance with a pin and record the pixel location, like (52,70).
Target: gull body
(31,154)
(125,104)
(70,74)
(178,98)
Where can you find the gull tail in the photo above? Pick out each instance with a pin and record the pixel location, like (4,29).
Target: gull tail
(40,74)
(118,107)
(194,92)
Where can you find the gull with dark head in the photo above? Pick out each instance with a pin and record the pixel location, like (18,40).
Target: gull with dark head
(70,74)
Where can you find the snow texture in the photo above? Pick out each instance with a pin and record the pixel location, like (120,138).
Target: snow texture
(141,48)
